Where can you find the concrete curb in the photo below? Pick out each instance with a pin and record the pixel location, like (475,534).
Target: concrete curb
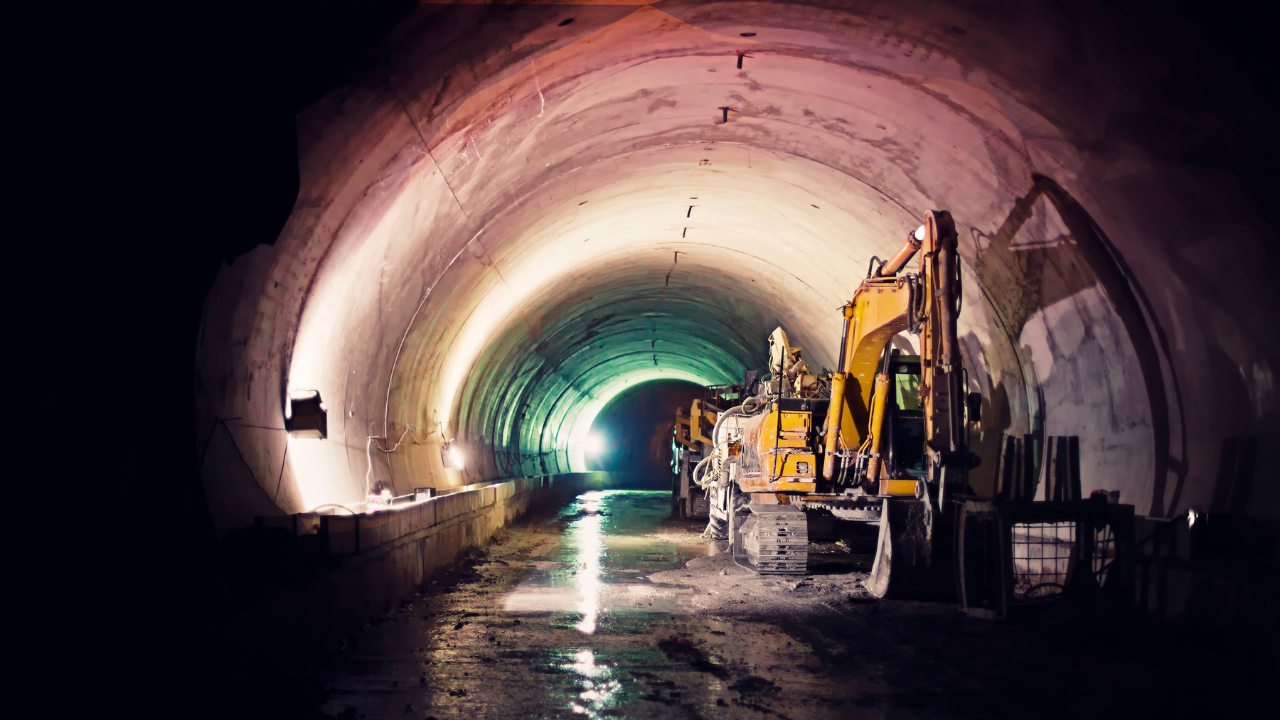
(377,560)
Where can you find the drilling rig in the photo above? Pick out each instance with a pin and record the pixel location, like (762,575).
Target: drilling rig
(690,444)
(882,440)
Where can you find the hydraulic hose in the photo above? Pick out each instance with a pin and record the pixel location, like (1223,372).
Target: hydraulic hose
(698,468)
(720,448)
(749,407)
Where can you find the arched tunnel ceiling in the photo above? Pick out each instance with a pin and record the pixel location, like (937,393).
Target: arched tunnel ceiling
(672,262)
(510,219)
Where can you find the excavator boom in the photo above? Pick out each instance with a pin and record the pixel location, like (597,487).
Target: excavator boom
(885,304)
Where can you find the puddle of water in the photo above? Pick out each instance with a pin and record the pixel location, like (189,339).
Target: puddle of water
(612,541)
(600,690)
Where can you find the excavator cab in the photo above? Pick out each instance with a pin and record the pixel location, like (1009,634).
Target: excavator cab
(904,422)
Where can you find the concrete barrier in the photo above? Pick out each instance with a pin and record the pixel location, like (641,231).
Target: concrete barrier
(373,561)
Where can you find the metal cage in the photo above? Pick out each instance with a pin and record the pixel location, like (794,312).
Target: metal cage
(1018,554)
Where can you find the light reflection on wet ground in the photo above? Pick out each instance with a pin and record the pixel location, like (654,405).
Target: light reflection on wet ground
(557,623)
(600,691)
(610,609)
(609,548)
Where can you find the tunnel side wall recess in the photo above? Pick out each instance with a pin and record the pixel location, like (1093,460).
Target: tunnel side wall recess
(1099,303)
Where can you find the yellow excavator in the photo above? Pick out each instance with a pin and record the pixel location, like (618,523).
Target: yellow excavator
(882,440)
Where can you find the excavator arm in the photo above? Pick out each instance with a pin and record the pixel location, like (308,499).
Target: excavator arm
(879,310)
(885,304)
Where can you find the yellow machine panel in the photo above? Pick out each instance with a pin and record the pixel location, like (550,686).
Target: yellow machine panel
(899,487)
(796,421)
(701,421)
(795,430)
(790,465)
(787,486)
(784,472)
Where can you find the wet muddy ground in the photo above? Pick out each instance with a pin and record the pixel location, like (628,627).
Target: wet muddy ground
(611,609)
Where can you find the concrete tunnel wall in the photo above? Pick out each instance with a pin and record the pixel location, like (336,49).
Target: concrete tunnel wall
(506,218)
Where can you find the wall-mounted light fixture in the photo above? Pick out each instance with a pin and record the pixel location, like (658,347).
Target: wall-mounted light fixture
(380,501)
(305,415)
(451,454)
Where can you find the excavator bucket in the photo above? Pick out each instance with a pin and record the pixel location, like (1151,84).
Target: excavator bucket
(913,553)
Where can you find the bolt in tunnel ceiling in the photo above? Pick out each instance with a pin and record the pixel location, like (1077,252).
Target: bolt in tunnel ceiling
(507,220)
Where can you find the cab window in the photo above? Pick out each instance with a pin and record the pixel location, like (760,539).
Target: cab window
(907,389)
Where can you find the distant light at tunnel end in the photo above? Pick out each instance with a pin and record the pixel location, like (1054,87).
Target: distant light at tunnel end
(594,444)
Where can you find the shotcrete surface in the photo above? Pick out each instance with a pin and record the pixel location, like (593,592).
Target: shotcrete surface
(612,609)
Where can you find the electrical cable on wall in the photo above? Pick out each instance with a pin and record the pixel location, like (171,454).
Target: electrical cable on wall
(368,476)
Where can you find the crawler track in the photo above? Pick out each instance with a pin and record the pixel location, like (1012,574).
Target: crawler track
(774,540)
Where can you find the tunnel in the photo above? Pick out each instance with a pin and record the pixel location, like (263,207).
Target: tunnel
(485,253)
(511,215)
